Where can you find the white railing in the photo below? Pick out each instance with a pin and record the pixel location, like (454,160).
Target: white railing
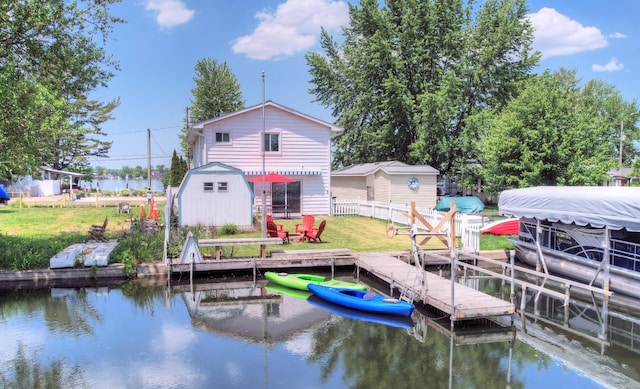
(467,226)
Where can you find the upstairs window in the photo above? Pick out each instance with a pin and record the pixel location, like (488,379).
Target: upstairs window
(208,187)
(271,142)
(223,186)
(223,137)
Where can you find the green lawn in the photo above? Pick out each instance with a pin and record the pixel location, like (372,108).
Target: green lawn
(30,236)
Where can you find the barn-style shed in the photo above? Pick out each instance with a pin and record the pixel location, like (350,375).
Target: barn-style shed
(215,194)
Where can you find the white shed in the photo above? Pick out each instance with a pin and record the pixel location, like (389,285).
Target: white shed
(214,195)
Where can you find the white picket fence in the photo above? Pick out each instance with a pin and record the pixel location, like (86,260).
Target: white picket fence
(467,226)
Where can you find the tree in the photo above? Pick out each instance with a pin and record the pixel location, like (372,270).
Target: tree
(556,133)
(409,76)
(217,91)
(51,58)
(177,170)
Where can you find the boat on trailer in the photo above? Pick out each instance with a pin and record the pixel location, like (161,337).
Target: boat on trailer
(589,234)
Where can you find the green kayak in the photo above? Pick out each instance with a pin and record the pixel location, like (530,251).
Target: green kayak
(300,281)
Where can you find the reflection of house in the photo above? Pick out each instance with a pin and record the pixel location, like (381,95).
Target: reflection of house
(214,195)
(392,181)
(296,145)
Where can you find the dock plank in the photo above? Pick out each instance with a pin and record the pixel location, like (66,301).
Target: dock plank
(468,302)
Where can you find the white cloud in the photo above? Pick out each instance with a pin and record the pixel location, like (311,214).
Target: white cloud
(617,35)
(169,13)
(556,34)
(611,66)
(293,27)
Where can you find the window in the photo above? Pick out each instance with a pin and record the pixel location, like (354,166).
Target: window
(272,142)
(223,186)
(223,137)
(208,187)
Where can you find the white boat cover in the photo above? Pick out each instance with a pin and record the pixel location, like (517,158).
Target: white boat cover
(596,206)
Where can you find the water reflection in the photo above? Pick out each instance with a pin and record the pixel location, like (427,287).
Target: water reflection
(234,333)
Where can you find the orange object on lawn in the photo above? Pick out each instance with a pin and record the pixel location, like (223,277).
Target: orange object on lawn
(142,212)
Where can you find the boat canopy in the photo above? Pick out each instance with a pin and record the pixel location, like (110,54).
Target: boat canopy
(466,204)
(597,206)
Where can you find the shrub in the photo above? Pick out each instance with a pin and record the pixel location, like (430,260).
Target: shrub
(229,229)
(125,192)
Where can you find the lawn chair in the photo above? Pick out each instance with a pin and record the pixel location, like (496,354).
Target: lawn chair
(307,224)
(270,219)
(315,233)
(274,232)
(96,232)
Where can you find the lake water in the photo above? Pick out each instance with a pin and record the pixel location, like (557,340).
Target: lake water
(117,185)
(232,333)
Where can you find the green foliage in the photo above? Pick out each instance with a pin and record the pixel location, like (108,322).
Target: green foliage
(229,229)
(47,115)
(138,248)
(125,192)
(409,75)
(177,171)
(217,90)
(555,133)
(33,252)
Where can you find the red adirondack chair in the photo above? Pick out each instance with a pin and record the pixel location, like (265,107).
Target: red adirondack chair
(274,232)
(270,219)
(314,234)
(307,224)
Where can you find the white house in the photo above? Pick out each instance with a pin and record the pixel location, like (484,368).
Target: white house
(215,194)
(392,181)
(296,145)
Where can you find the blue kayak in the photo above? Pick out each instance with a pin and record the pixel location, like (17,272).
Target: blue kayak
(377,318)
(362,300)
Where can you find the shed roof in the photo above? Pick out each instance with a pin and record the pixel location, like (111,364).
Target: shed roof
(390,167)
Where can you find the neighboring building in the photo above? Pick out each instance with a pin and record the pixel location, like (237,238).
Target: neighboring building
(298,146)
(620,177)
(214,195)
(392,181)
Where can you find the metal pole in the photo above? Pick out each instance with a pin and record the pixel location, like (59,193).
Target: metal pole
(264,194)
(149,168)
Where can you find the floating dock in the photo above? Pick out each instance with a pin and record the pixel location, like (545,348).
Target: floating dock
(461,301)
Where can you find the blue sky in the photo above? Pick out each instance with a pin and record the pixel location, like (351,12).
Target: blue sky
(162,40)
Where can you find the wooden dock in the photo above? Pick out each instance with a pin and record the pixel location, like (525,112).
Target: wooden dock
(463,303)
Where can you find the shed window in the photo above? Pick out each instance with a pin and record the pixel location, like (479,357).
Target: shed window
(223,186)
(223,137)
(208,187)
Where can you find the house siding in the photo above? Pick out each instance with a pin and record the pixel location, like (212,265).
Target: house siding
(304,146)
(349,187)
(387,188)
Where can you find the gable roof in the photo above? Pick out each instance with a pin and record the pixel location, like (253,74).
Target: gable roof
(389,167)
(268,103)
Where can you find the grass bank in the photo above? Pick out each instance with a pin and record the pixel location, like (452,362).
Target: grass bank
(29,237)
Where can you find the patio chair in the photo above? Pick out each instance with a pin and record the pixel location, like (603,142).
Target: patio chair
(274,232)
(307,224)
(270,219)
(315,233)
(96,232)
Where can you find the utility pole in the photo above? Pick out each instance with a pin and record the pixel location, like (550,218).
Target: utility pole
(264,193)
(149,169)
(621,145)
(186,120)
